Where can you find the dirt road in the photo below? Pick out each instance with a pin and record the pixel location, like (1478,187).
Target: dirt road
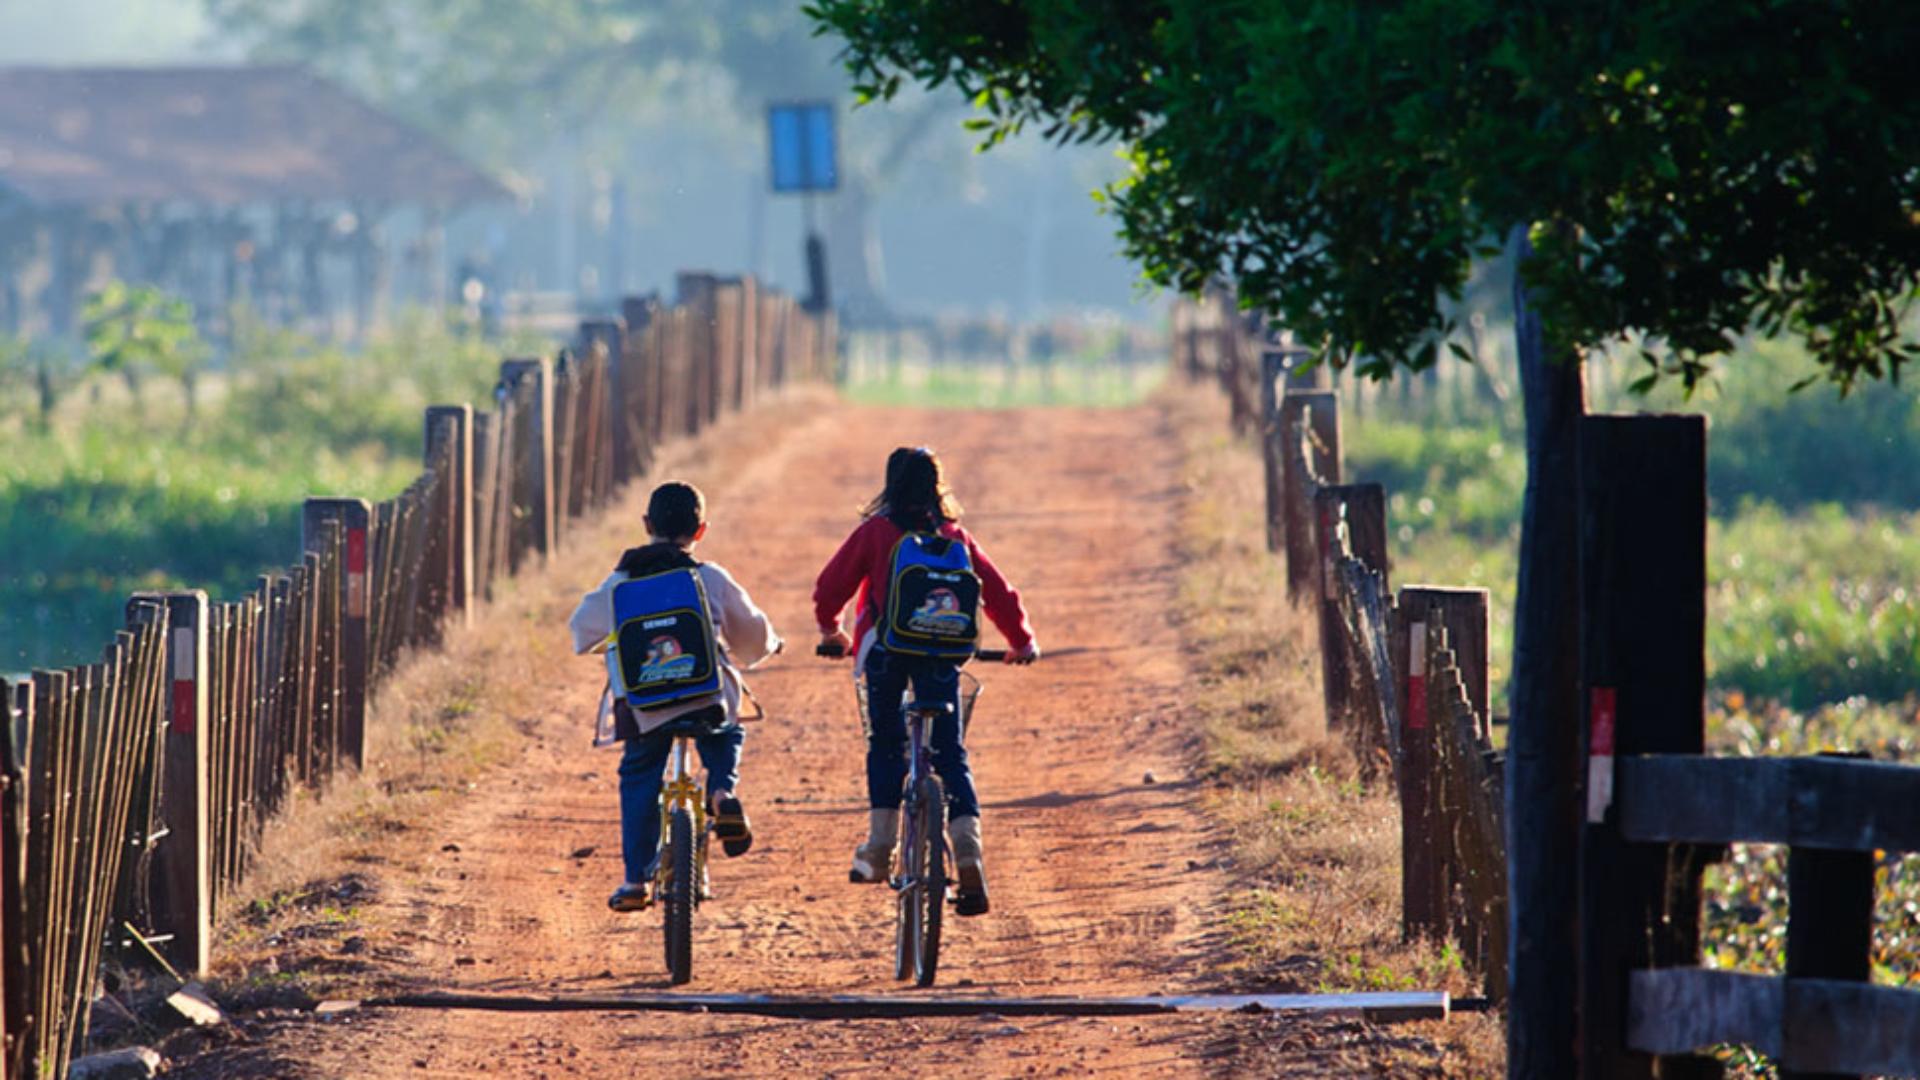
(1103,870)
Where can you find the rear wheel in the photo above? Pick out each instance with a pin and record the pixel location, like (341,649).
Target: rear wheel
(680,894)
(930,870)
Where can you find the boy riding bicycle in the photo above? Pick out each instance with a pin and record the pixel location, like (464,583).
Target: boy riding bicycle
(742,636)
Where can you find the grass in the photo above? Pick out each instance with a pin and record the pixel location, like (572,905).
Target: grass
(1070,382)
(1318,907)
(1808,606)
(125,493)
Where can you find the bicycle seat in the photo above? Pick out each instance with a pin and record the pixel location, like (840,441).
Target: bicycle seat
(699,722)
(933,708)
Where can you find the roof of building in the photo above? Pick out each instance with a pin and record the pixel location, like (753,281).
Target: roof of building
(214,135)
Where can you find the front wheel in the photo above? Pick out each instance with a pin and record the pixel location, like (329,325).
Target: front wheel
(929,865)
(680,897)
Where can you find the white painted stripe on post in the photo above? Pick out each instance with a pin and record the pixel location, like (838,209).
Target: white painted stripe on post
(184,668)
(1417,650)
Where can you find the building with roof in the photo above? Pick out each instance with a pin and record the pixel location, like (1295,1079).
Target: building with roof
(263,186)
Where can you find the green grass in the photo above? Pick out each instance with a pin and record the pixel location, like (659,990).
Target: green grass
(129,494)
(1807,606)
(1075,382)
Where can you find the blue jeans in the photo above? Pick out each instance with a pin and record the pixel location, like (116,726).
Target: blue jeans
(641,769)
(888,675)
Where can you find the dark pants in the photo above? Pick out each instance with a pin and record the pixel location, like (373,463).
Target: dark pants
(640,782)
(888,676)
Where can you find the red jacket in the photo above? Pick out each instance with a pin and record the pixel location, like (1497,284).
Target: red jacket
(863,566)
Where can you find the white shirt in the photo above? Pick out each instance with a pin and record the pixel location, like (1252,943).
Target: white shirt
(746,636)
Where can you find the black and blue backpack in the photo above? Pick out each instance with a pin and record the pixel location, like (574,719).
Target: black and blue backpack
(933,599)
(665,651)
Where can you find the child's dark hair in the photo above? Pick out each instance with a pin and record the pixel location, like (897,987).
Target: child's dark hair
(916,496)
(676,510)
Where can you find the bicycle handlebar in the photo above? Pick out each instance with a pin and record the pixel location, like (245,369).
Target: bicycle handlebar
(835,652)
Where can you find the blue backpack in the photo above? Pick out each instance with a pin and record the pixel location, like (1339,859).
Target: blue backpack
(933,599)
(664,649)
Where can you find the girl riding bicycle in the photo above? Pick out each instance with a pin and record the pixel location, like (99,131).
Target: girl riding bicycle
(916,503)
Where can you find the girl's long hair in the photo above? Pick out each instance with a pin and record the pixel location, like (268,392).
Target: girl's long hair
(916,497)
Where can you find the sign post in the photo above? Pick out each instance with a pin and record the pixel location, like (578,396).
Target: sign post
(805,158)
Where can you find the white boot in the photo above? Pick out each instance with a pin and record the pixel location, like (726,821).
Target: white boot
(970,862)
(873,860)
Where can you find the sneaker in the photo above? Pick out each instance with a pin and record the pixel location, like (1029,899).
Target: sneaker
(630,898)
(731,826)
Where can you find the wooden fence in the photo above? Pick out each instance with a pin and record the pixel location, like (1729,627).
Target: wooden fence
(134,789)
(1407,678)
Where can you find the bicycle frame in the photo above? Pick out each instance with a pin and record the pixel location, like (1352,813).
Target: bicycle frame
(919,756)
(681,789)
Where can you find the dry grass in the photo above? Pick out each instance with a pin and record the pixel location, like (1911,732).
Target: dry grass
(440,725)
(1318,846)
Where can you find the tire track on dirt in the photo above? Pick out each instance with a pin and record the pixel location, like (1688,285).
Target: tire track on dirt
(1102,867)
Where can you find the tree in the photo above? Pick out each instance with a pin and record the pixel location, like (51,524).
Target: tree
(39,367)
(1677,172)
(136,329)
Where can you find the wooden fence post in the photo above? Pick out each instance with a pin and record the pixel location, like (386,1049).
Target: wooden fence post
(16,708)
(616,445)
(1830,897)
(1462,613)
(1309,419)
(450,430)
(695,294)
(1348,518)
(1643,584)
(182,869)
(1273,365)
(539,455)
(352,517)
(636,424)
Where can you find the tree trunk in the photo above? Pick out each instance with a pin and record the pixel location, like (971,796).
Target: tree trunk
(1543,749)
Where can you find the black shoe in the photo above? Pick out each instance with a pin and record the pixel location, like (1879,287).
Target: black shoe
(630,898)
(731,826)
(971,897)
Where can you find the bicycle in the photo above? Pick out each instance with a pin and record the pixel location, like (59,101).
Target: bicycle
(681,868)
(920,880)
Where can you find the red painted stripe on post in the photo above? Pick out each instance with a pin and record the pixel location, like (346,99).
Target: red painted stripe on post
(356,551)
(356,573)
(1602,714)
(181,722)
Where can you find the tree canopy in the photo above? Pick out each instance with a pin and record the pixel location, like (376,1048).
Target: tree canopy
(1689,170)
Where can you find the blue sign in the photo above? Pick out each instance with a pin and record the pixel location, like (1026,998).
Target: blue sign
(802,140)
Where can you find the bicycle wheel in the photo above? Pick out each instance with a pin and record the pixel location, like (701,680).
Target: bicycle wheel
(680,896)
(930,868)
(906,930)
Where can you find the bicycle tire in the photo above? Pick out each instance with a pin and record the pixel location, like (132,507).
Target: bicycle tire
(906,922)
(680,897)
(930,868)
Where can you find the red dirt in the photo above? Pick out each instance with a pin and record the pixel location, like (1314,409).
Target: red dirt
(1106,876)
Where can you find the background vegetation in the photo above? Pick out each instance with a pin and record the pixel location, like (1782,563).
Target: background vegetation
(1814,543)
(117,491)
